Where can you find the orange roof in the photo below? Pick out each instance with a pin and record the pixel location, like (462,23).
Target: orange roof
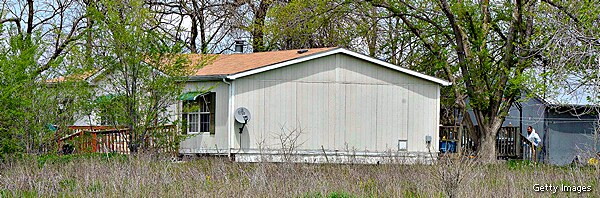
(73,77)
(227,64)
(223,64)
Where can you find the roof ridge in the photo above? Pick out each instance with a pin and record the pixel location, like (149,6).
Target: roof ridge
(227,64)
(263,52)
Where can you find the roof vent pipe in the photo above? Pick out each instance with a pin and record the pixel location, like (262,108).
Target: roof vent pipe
(302,51)
(239,46)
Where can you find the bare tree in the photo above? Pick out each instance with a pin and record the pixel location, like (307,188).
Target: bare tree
(57,24)
(205,26)
(289,138)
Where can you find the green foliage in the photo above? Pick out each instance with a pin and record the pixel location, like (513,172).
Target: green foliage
(369,187)
(139,67)
(330,195)
(95,187)
(571,61)
(489,50)
(28,103)
(309,24)
(411,194)
(339,195)
(43,160)
(17,93)
(67,184)
(27,193)
(519,164)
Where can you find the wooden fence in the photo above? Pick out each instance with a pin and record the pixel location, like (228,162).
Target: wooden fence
(508,143)
(109,139)
(508,140)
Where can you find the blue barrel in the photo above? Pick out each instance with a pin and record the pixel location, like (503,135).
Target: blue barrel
(447,146)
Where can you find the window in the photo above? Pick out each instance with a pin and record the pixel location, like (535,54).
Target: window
(199,114)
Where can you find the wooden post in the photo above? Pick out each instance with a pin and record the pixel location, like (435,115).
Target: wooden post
(94,143)
(533,154)
(120,144)
(81,143)
(112,142)
(519,143)
(459,140)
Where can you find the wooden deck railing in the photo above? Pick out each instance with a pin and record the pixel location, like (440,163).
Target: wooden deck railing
(508,140)
(508,143)
(109,139)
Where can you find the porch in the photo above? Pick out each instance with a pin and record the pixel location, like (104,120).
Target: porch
(110,139)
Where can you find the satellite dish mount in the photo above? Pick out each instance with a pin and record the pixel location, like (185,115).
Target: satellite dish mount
(242,115)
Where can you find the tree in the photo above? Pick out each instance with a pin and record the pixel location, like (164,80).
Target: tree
(259,11)
(571,70)
(15,84)
(57,25)
(250,17)
(205,26)
(141,71)
(572,58)
(309,24)
(28,107)
(483,48)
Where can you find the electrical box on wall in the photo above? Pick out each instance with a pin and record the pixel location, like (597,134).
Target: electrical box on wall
(402,145)
(428,139)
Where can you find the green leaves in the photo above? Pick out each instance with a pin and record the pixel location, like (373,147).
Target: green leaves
(18,91)
(139,66)
(314,23)
(482,47)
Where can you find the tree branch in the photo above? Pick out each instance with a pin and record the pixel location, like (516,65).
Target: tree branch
(69,39)
(563,9)
(14,20)
(30,15)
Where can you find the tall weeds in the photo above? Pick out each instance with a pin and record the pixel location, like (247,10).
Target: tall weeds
(217,177)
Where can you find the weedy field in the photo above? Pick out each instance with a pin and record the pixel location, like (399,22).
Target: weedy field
(147,176)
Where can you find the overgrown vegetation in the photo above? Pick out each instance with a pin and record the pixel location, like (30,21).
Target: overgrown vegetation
(116,176)
(490,50)
(40,96)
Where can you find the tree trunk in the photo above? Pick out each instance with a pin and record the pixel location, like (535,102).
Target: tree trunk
(30,16)
(260,14)
(486,152)
(193,34)
(487,147)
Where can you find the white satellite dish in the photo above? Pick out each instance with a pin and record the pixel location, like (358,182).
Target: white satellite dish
(242,115)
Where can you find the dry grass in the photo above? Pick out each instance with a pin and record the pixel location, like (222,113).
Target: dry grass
(217,177)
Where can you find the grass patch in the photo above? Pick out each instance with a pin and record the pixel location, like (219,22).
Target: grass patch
(330,195)
(519,164)
(65,159)
(123,176)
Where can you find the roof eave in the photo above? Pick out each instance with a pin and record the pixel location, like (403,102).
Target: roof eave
(335,51)
(201,78)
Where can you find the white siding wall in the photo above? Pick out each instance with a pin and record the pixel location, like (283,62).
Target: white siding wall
(206,142)
(341,103)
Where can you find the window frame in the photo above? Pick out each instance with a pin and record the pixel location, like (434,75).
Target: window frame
(208,109)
